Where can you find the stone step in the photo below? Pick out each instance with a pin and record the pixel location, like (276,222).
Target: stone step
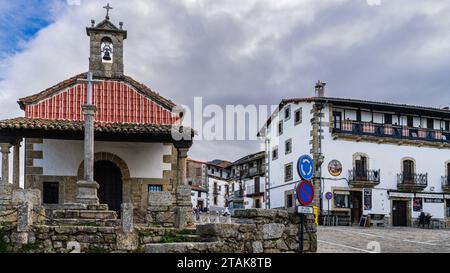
(84,222)
(84,214)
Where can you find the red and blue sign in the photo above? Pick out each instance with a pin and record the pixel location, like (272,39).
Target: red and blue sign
(305,167)
(305,192)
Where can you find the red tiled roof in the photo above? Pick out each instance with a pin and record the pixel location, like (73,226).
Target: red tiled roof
(66,125)
(73,80)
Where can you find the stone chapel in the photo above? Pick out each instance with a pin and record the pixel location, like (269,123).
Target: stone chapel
(134,151)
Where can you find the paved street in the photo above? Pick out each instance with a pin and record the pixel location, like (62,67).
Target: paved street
(387,240)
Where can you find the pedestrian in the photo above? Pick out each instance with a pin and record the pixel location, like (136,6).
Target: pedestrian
(428,219)
(422,219)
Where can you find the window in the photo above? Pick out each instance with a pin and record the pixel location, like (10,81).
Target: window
(408,171)
(257,203)
(199,194)
(430,123)
(409,121)
(287,112)
(337,120)
(288,172)
(298,116)
(358,115)
(215,200)
(107,50)
(288,146)
(387,119)
(361,167)
(154,188)
(289,200)
(447,207)
(280,128)
(447,125)
(51,192)
(274,153)
(198,171)
(341,200)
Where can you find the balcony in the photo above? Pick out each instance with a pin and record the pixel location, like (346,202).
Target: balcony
(364,178)
(412,181)
(252,191)
(237,196)
(215,191)
(250,172)
(370,130)
(445,183)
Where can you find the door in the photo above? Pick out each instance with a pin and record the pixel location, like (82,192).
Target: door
(356,208)
(399,213)
(361,168)
(408,171)
(109,177)
(337,119)
(200,204)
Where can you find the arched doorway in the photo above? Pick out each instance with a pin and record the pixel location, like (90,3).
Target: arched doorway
(109,176)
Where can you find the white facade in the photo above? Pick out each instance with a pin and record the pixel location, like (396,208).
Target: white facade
(216,193)
(383,156)
(63,157)
(198,197)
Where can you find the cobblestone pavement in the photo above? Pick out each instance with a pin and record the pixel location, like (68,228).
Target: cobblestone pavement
(385,240)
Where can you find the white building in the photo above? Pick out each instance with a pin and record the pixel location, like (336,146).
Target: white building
(247,182)
(199,196)
(218,173)
(379,159)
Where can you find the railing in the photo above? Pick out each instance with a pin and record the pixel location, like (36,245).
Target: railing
(389,130)
(251,190)
(412,180)
(215,191)
(445,183)
(250,172)
(356,176)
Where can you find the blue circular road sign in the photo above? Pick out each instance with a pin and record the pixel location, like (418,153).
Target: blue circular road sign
(305,192)
(305,167)
(328,195)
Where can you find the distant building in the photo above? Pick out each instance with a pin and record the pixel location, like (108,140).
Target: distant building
(247,182)
(218,174)
(196,176)
(382,159)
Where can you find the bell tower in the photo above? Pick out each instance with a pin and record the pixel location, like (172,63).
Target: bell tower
(106,48)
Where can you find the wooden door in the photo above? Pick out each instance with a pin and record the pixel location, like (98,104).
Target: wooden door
(356,210)
(361,168)
(408,171)
(399,213)
(109,177)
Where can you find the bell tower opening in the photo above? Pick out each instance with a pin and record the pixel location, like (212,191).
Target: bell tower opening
(106,48)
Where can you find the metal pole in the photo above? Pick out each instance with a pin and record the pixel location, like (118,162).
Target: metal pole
(301,233)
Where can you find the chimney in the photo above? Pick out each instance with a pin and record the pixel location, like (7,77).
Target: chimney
(320,89)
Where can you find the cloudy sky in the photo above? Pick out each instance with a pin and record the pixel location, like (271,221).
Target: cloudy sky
(237,51)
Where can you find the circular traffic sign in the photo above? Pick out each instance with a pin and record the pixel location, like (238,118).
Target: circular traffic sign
(305,167)
(305,192)
(328,195)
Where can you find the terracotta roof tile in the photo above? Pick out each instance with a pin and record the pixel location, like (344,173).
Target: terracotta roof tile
(65,125)
(140,87)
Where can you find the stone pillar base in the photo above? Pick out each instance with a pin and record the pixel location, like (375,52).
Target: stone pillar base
(87,192)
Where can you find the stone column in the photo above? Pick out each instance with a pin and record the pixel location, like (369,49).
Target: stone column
(16,165)
(87,188)
(5,161)
(181,165)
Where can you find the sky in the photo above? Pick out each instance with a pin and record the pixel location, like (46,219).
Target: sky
(237,52)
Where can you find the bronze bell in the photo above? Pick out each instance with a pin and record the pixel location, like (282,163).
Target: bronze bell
(107,56)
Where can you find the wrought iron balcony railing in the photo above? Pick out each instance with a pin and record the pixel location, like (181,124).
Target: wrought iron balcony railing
(364,177)
(412,181)
(392,131)
(445,183)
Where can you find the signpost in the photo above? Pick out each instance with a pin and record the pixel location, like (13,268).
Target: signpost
(304,191)
(305,167)
(329,196)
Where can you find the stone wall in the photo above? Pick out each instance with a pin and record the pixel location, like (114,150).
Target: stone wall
(256,231)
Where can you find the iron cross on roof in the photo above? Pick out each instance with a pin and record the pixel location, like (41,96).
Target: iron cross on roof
(107,7)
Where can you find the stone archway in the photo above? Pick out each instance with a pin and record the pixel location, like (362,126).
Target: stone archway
(121,165)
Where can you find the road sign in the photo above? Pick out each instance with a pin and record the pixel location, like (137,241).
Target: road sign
(305,192)
(305,210)
(305,167)
(328,195)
